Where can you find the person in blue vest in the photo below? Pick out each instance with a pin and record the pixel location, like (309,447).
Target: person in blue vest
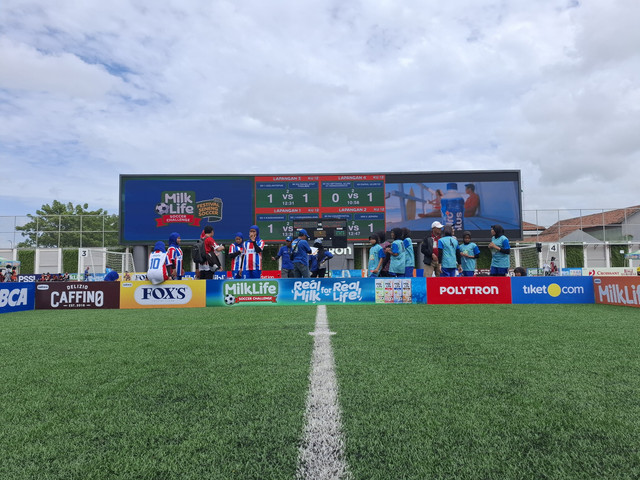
(469,253)
(448,252)
(397,266)
(376,255)
(286,271)
(500,250)
(301,251)
(409,255)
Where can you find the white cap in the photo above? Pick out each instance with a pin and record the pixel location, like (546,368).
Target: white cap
(436,224)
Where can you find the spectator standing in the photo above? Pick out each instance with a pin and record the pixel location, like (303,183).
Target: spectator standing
(469,253)
(409,255)
(175,255)
(252,254)
(397,262)
(429,249)
(500,250)
(212,263)
(284,253)
(317,261)
(300,251)
(448,253)
(376,255)
(235,254)
(86,274)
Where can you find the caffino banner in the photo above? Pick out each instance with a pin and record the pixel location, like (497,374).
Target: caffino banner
(314,291)
(65,295)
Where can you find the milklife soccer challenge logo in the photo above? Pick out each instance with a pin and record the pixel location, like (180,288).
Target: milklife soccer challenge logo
(250,291)
(182,207)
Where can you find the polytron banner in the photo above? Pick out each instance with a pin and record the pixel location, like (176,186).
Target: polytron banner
(464,290)
(15,297)
(617,290)
(153,206)
(552,290)
(65,295)
(234,293)
(170,294)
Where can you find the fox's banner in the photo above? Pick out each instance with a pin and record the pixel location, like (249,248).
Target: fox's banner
(316,291)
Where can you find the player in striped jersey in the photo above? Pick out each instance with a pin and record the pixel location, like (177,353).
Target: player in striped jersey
(175,256)
(158,262)
(235,254)
(252,254)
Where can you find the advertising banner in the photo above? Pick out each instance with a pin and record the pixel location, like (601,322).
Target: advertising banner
(170,294)
(15,296)
(552,290)
(463,290)
(617,290)
(611,272)
(64,295)
(312,291)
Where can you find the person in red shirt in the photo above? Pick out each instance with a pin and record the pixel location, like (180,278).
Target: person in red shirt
(210,248)
(472,203)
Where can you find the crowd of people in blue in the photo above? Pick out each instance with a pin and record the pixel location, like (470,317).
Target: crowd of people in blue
(443,255)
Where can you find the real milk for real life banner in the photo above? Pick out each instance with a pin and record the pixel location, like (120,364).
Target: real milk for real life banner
(312,291)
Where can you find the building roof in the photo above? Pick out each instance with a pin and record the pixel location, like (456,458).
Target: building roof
(565,227)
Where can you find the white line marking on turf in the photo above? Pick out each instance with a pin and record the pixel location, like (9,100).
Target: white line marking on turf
(322,451)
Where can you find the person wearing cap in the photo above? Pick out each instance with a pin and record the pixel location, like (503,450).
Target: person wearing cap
(235,254)
(472,203)
(317,260)
(429,250)
(284,253)
(300,255)
(469,252)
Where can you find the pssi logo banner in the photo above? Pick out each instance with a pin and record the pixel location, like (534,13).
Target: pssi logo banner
(16,297)
(463,290)
(299,291)
(617,291)
(169,294)
(65,295)
(552,290)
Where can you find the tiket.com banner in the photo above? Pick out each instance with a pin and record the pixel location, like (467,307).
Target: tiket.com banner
(463,290)
(617,290)
(315,291)
(552,290)
(64,295)
(169,294)
(15,296)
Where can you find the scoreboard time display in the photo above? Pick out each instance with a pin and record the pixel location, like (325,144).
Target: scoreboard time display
(357,199)
(154,206)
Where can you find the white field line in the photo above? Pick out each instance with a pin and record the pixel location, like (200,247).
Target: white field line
(322,451)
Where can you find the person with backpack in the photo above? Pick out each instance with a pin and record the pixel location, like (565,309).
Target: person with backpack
(211,262)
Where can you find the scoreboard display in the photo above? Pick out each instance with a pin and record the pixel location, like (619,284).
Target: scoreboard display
(154,206)
(356,199)
(333,232)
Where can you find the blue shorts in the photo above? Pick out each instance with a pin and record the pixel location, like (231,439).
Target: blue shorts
(468,273)
(448,272)
(408,271)
(251,273)
(498,271)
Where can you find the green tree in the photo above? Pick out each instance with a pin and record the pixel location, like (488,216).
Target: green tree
(67,225)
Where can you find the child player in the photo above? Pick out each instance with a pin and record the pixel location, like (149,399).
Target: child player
(252,254)
(235,254)
(448,252)
(158,263)
(375,257)
(469,252)
(175,256)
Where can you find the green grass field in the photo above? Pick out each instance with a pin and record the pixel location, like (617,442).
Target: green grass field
(507,391)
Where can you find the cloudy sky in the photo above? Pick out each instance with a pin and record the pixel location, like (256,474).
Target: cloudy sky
(90,90)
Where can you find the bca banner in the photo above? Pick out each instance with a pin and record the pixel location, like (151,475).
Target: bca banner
(617,290)
(312,291)
(16,296)
(64,295)
(552,290)
(169,294)
(463,290)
